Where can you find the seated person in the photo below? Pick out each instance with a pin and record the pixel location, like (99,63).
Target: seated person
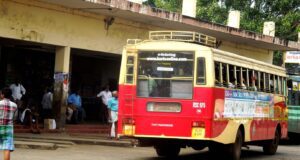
(217,82)
(74,101)
(70,110)
(30,116)
(231,83)
(253,87)
(243,86)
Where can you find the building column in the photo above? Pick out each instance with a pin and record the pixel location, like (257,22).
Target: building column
(61,85)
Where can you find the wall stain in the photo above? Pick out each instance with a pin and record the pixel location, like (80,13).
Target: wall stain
(3,9)
(30,35)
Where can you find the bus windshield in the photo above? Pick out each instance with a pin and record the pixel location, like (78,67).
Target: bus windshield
(165,74)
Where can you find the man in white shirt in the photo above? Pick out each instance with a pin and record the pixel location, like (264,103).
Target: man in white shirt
(17,91)
(105,96)
(47,104)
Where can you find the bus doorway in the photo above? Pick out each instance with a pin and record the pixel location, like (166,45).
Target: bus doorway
(90,72)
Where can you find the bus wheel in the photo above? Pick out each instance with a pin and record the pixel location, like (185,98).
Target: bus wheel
(167,150)
(271,146)
(235,149)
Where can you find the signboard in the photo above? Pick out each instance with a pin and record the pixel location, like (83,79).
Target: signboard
(292,57)
(245,104)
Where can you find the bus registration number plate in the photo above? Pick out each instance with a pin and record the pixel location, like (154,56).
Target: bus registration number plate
(198,132)
(129,129)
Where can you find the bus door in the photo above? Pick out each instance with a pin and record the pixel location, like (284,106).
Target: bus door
(127,92)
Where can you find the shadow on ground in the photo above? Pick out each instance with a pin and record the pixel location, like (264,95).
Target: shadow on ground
(206,155)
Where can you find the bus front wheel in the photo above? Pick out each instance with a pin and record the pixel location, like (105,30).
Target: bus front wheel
(167,150)
(271,146)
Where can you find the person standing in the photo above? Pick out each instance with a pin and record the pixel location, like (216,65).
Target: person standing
(7,109)
(18,91)
(105,96)
(113,105)
(47,104)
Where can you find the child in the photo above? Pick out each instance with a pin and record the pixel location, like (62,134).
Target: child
(7,109)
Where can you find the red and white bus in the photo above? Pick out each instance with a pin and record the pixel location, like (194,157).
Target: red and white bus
(177,90)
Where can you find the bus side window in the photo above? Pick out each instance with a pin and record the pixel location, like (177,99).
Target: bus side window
(283,86)
(253,80)
(242,78)
(129,70)
(224,75)
(267,83)
(248,78)
(276,88)
(201,71)
(217,74)
(279,85)
(290,92)
(232,76)
(261,81)
(272,82)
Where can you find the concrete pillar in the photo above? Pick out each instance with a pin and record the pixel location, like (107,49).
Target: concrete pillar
(269,28)
(189,8)
(234,19)
(61,85)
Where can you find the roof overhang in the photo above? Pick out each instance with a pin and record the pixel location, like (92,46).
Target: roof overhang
(175,21)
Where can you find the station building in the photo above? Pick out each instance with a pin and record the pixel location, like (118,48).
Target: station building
(77,44)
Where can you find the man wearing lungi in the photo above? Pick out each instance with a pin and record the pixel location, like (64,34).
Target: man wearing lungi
(7,110)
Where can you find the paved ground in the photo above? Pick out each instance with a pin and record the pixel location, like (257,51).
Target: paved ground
(98,152)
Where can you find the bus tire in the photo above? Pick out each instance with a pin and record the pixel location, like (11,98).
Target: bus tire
(235,149)
(271,146)
(167,151)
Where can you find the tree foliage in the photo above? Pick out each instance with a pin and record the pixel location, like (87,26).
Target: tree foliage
(285,14)
(170,5)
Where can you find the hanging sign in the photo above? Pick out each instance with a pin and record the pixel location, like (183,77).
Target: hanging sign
(292,57)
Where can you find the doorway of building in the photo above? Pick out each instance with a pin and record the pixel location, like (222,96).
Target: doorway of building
(32,64)
(90,72)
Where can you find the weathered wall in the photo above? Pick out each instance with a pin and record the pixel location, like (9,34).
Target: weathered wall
(40,22)
(45,23)
(247,51)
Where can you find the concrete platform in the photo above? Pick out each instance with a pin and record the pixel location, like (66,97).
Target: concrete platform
(35,145)
(56,140)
